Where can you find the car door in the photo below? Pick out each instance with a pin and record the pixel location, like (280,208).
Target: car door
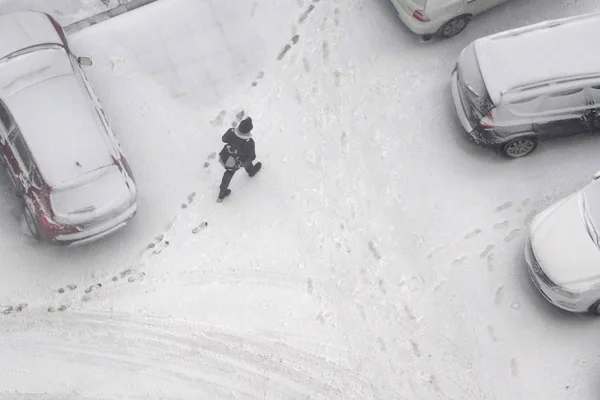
(475,7)
(7,126)
(562,113)
(593,116)
(23,160)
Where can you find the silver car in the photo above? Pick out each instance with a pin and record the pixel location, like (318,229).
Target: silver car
(55,140)
(537,82)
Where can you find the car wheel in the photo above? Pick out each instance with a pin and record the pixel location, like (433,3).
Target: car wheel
(591,120)
(519,147)
(30,222)
(595,309)
(455,26)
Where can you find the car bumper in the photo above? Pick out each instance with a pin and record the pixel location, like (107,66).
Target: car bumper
(481,138)
(97,232)
(572,305)
(418,27)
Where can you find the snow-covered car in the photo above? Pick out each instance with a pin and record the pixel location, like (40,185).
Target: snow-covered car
(442,18)
(563,251)
(536,82)
(55,141)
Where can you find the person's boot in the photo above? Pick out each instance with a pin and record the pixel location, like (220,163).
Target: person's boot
(223,194)
(256,168)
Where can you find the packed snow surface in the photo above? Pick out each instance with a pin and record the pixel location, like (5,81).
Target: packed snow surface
(377,255)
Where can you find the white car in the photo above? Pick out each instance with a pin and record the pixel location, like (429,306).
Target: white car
(563,251)
(442,18)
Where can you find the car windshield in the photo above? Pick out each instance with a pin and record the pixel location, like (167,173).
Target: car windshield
(591,228)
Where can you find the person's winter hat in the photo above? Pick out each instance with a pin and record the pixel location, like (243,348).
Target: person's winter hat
(245,127)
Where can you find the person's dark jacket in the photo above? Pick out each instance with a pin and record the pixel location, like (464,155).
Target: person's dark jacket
(244,147)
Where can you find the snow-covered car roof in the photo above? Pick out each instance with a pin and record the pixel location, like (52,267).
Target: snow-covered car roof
(537,53)
(55,114)
(22,29)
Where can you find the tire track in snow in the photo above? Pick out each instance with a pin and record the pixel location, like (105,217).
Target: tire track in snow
(209,359)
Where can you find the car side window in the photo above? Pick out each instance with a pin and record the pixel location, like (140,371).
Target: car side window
(22,151)
(565,100)
(5,118)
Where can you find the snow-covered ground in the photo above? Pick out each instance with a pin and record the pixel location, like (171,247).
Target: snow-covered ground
(378,254)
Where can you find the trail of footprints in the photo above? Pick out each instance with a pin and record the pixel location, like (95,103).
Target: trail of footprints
(131,274)
(487,253)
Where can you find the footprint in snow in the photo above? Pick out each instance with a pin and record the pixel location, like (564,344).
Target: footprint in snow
(325,50)
(501,225)
(336,16)
(136,277)
(70,287)
(197,229)
(122,274)
(54,309)
(472,234)
(309,286)
(514,367)
(459,261)
(498,296)
(14,309)
(219,119)
(95,286)
(512,235)
(160,247)
(504,206)
(337,77)
(492,333)
(487,251)
(304,15)
(415,348)
(306,65)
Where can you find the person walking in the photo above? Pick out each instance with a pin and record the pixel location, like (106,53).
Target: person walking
(239,152)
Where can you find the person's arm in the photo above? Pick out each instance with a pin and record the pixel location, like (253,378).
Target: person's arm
(227,136)
(251,150)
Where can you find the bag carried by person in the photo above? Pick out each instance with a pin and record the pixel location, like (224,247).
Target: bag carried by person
(229,158)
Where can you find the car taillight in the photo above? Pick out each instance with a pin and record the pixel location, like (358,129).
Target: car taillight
(419,15)
(487,122)
(49,224)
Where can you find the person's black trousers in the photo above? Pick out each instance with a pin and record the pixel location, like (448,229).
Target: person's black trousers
(228,174)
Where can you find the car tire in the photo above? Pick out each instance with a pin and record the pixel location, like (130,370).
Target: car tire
(453,27)
(519,147)
(29,220)
(591,120)
(594,309)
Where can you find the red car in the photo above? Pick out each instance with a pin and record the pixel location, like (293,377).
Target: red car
(55,140)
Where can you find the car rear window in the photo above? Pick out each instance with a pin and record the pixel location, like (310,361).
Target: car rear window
(468,68)
(472,84)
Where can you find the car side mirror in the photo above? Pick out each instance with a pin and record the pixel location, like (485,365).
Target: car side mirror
(85,61)
(596,176)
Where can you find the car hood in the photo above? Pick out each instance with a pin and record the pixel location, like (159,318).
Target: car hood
(104,193)
(564,243)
